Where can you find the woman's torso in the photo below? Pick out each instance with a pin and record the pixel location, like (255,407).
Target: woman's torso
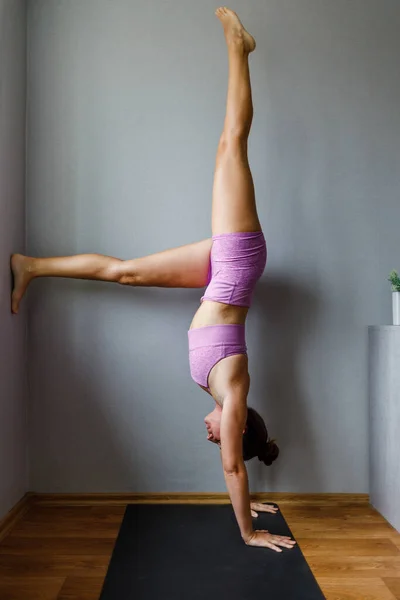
(216,313)
(237,262)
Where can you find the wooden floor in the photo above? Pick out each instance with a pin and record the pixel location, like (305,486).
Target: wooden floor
(62,552)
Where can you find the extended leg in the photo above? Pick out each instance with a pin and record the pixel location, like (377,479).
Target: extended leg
(234,206)
(184,267)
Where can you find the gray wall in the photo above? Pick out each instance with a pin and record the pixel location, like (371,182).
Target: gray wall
(13,399)
(126,103)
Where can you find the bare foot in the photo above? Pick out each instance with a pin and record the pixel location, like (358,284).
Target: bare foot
(22,271)
(234,30)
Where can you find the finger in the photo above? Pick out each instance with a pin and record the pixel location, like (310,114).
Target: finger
(266,508)
(284,541)
(273,547)
(287,545)
(266,505)
(254,514)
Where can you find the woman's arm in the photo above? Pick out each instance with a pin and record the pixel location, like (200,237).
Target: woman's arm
(233,422)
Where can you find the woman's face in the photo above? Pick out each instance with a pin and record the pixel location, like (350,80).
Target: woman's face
(213,425)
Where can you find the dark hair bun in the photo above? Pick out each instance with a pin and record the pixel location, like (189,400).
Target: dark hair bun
(269,453)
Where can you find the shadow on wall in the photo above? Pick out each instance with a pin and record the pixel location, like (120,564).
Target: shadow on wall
(74,446)
(80,443)
(286,312)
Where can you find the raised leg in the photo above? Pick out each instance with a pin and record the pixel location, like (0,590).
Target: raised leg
(183,267)
(234,206)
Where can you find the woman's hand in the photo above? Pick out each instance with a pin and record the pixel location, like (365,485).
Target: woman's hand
(257,506)
(264,539)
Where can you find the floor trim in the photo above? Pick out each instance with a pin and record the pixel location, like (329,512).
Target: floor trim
(114,499)
(15,514)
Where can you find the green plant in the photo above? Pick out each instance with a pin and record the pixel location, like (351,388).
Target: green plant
(395,281)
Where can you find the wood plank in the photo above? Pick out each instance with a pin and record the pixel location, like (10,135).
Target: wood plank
(344,566)
(79,528)
(30,588)
(344,511)
(339,528)
(104,512)
(79,546)
(91,566)
(70,522)
(55,565)
(81,588)
(393,583)
(355,589)
(349,547)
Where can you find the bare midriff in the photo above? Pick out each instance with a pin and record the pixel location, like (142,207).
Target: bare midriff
(217,313)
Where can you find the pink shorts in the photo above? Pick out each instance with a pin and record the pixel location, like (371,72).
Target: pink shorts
(237,262)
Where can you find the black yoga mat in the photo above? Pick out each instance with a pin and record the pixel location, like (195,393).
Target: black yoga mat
(191,552)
